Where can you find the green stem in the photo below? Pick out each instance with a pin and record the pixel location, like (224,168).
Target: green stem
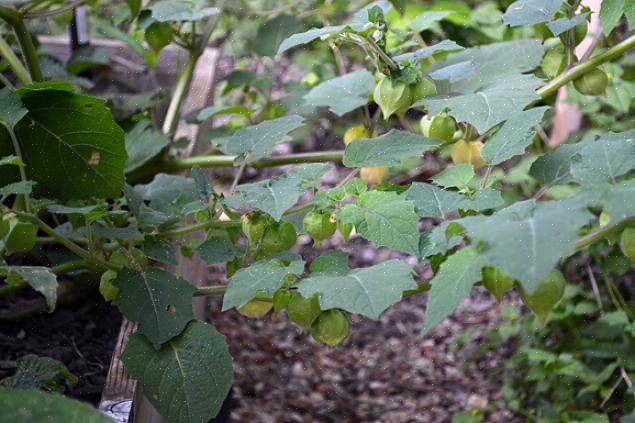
(18,152)
(97,262)
(228,161)
(180,91)
(213,290)
(15,20)
(599,234)
(186,230)
(586,67)
(14,62)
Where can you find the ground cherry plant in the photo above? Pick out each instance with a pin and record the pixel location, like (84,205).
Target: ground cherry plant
(70,176)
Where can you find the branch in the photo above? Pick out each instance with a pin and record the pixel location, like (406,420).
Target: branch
(586,67)
(228,161)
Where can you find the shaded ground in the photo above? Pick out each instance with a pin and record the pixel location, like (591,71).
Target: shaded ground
(82,336)
(385,372)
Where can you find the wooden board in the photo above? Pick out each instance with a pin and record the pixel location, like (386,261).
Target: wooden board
(123,400)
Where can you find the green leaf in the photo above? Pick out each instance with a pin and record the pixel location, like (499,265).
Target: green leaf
(182,10)
(389,149)
(615,199)
(11,160)
(257,141)
(277,195)
(554,168)
(22,187)
(342,94)
(143,143)
(527,239)
(367,291)
(488,106)
(452,283)
(40,373)
(272,32)
(493,62)
(32,405)
(514,136)
(427,20)
(432,201)
(562,25)
(308,36)
(483,199)
(530,12)
(11,108)
(188,378)
(425,52)
(158,300)
(202,115)
(605,158)
(457,176)
(159,249)
(261,277)
(385,218)
(71,145)
(334,262)
(216,250)
(610,14)
(439,240)
(39,278)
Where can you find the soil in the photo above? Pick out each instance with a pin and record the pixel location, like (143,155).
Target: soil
(82,335)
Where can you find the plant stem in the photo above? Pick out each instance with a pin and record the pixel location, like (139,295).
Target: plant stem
(228,161)
(198,227)
(14,62)
(18,152)
(599,234)
(213,290)
(16,20)
(586,67)
(97,262)
(180,91)
(53,12)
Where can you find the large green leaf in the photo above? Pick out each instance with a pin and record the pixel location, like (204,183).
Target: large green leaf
(188,378)
(513,137)
(432,201)
(143,143)
(261,277)
(39,278)
(277,195)
(493,62)
(389,149)
(11,108)
(530,12)
(527,239)
(32,405)
(272,32)
(385,218)
(71,145)
(158,300)
(452,283)
(368,291)
(342,94)
(182,10)
(488,105)
(39,372)
(457,176)
(257,141)
(605,158)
